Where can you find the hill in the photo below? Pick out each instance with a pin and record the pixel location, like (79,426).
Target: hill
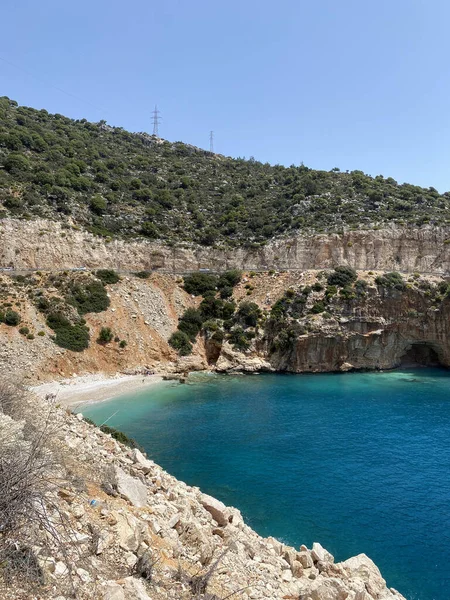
(114,183)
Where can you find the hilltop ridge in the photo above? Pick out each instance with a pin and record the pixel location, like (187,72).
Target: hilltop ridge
(114,183)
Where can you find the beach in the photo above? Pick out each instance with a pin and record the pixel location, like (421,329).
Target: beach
(86,389)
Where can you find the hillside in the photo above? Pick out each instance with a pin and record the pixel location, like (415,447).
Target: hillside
(115,183)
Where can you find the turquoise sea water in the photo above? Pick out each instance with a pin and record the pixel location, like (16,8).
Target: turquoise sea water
(358,461)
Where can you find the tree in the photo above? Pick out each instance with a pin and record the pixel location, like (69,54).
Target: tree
(16,163)
(98,205)
(180,342)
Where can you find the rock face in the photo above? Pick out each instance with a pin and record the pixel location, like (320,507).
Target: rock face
(31,244)
(382,331)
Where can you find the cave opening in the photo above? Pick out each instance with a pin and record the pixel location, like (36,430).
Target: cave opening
(420,355)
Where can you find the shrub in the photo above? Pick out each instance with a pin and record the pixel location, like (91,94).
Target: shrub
(239,339)
(191,323)
(391,280)
(120,436)
(248,314)
(41,333)
(226,292)
(98,205)
(105,336)
(229,279)
(317,308)
(30,336)
(122,344)
(342,276)
(24,331)
(11,318)
(90,298)
(73,337)
(143,274)
(108,276)
(199,283)
(180,342)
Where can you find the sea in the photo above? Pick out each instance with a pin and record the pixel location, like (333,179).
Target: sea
(359,462)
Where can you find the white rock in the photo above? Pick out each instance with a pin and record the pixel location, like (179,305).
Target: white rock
(139,459)
(319,553)
(113,591)
(130,488)
(60,569)
(83,575)
(135,590)
(217,509)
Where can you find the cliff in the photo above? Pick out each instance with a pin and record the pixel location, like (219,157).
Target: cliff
(44,244)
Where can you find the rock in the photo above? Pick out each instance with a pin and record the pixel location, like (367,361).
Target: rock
(61,569)
(297,569)
(364,568)
(318,553)
(145,465)
(216,509)
(304,558)
(130,488)
(113,591)
(129,531)
(78,511)
(135,589)
(83,575)
(103,542)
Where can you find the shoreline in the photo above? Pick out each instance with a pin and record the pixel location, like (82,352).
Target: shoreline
(89,389)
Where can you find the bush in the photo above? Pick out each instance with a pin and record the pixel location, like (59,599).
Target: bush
(342,276)
(107,276)
(105,336)
(122,344)
(391,280)
(317,308)
(248,314)
(90,298)
(239,340)
(229,279)
(120,436)
(98,205)
(143,274)
(226,292)
(199,283)
(73,337)
(191,323)
(11,318)
(180,342)
(24,331)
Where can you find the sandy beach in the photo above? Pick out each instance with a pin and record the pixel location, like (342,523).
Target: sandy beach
(85,389)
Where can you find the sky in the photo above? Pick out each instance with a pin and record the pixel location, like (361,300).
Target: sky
(354,84)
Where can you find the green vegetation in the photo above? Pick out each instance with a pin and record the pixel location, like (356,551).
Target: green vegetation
(342,276)
(88,297)
(107,276)
(116,183)
(73,337)
(391,280)
(105,336)
(180,341)
(10,317)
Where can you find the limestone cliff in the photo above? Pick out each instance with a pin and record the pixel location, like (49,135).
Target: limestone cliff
(50,245)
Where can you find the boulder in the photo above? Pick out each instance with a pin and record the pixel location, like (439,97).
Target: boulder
(141,461)
(135,589)
(319,553)
(130,488)
(113,591)
(216,509)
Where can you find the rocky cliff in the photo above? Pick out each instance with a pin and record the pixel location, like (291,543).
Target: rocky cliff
(50,245)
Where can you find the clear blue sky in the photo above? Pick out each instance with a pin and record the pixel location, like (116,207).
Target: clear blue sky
(357,84)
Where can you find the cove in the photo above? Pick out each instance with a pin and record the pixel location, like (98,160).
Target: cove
(359,461)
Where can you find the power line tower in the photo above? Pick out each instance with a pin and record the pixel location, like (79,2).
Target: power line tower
(156,120)
(211,141)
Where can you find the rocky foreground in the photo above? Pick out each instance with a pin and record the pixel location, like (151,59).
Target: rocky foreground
(126,529)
